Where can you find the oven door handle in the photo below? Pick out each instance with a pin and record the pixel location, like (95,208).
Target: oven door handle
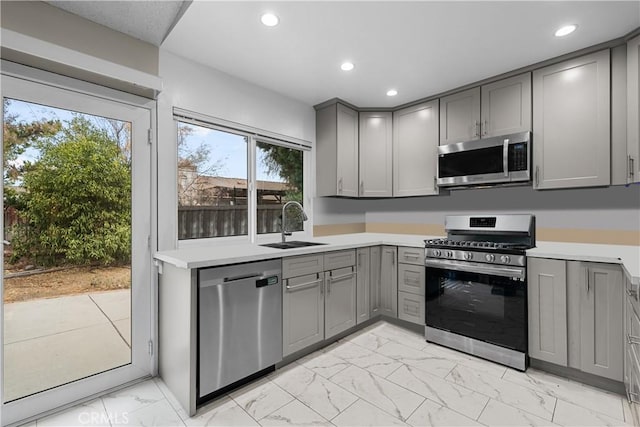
(474,267)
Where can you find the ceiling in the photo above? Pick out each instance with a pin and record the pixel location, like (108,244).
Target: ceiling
(419,48)
(146,20)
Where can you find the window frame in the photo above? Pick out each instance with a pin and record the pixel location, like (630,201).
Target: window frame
(253,137)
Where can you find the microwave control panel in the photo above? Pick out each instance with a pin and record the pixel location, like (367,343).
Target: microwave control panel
(518,157)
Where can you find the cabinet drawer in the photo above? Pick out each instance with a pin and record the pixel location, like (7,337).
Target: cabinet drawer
(411,278)
(339,259)
(302,265)
(411,307)
(411,255)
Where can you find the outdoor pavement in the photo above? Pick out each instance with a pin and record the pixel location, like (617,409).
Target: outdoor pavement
(49,342)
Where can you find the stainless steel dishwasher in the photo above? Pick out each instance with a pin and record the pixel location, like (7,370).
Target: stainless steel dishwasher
(239,322)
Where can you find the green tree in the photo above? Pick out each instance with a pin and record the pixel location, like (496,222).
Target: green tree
(17,137)
(286,163)
(78,199)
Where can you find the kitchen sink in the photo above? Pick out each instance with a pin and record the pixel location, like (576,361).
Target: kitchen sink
(292,244)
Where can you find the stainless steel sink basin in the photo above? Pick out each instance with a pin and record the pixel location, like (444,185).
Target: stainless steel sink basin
(291,245)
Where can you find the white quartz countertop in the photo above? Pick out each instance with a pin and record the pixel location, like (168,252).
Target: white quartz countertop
(211,256)
(628,256)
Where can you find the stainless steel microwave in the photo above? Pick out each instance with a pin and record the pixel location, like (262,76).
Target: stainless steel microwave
(498,160)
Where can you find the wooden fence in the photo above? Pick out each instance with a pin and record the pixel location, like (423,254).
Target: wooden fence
(196,222)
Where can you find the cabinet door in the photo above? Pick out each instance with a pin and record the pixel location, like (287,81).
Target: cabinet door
(547,295)
(389,281)
(376,151)
(460,117)
(302,312)
(340,301)
(411,278)
(415,150)
(601,321)
(571,121)
(346,152)
(506,106)
(374,280)
(363,299)
(633,109)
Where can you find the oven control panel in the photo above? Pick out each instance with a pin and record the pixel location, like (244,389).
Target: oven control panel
(475,256)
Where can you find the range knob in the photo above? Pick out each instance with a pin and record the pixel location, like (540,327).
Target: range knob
(490,257)
(449,254)
(468,255)
(437,252)
(505,259)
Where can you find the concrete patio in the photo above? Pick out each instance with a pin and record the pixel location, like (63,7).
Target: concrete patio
(49,342)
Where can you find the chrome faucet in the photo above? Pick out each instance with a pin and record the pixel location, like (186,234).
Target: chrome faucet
(284,227)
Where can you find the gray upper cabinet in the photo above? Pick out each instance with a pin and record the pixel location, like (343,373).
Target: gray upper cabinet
(506,106)
(337,151)
(571,123)
(415,142)
(389,281)
(601,320)
(303,318)
(460,116)
(363,287)
(633,110)
(340,301)
(495,109)
(547,296)
(376,154)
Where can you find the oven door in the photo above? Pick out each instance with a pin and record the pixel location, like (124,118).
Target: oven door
(479,301)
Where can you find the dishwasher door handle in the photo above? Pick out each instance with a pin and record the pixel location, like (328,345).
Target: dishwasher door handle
(234,279)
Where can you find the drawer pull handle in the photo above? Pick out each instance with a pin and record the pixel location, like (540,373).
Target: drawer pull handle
(302,285)
(632,339)
(344,276)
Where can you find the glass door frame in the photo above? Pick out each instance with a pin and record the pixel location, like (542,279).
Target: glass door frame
(41,87)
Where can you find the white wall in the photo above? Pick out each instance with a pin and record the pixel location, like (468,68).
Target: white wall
(195,87)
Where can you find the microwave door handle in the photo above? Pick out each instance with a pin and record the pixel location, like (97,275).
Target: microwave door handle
(505,157)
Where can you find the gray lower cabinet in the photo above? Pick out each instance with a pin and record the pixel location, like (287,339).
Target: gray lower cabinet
(632,348)
(571,120)
(601,320)
(340,301)
(411,285)
(303,312)
(363,286)
(374,280)
(576,315)
(547,295)
(389,281)
(319,305)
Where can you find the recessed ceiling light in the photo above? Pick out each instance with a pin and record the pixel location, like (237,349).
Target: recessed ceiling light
(269,19)
(566,30)
(347,66)
(392,92)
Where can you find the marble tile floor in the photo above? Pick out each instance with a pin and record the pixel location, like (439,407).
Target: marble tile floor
(382,375)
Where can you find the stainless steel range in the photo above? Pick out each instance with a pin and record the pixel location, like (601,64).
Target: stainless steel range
(476,286)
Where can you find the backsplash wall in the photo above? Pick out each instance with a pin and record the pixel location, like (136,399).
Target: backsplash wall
(590,215)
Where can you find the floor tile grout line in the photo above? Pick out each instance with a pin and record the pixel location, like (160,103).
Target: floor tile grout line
(105,411)
(345,409)
(110,321)
(553,414)
(483,409)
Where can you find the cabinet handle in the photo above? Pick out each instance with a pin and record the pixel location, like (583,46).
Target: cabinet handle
(344,276)
(340,185)
(435,182)
(393,258)
(537,175)
(633,340)
(588,281)
(361,188)
(485,130)
(477,126)
(303,285)
(633,294)
(630,166)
